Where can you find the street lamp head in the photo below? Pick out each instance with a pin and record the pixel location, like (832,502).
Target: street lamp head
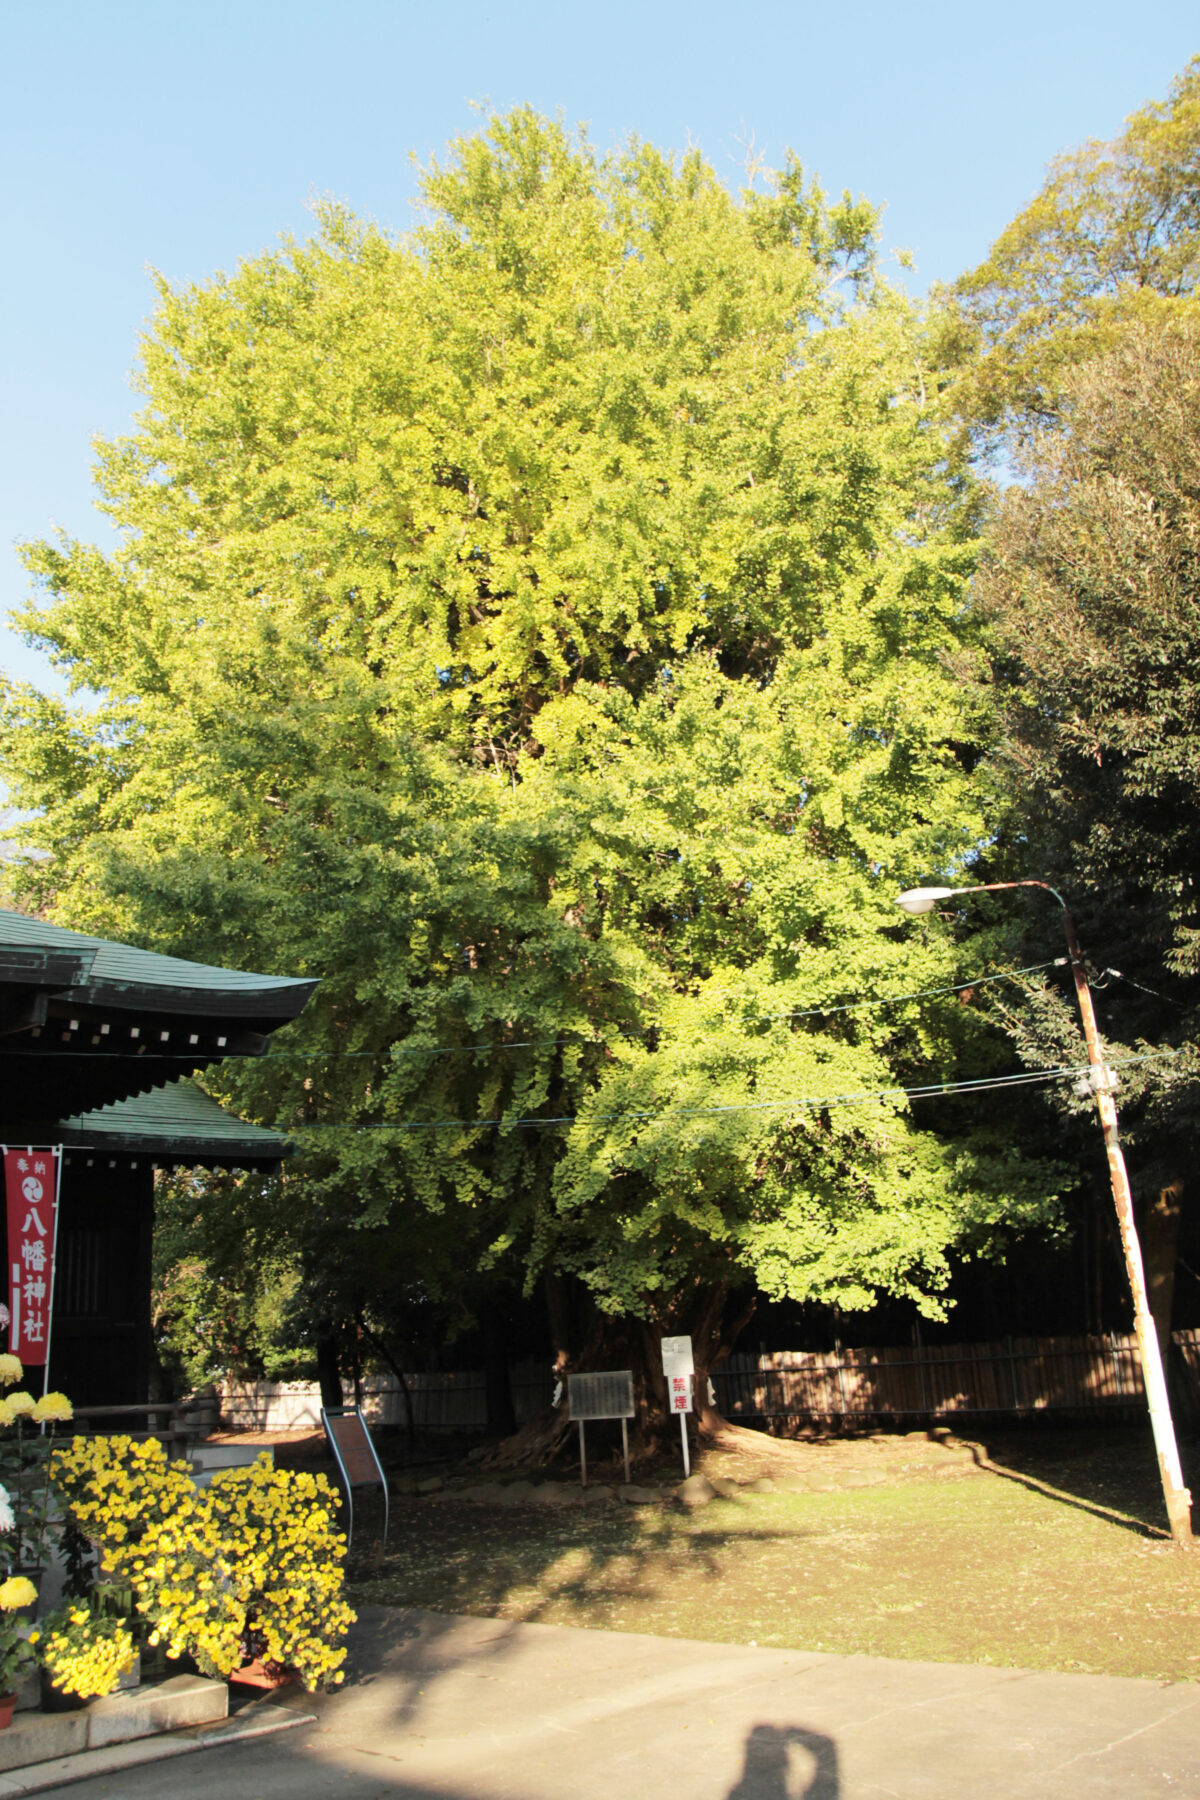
(923,900)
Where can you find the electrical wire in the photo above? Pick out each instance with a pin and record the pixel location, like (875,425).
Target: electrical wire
(397,1051)
(928,1090)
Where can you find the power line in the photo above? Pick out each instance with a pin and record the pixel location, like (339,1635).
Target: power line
(397,1051)
(928,1090)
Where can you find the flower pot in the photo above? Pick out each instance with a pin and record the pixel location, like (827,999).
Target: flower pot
(132,1677)
(261,1674)
(7,1703)
(158,1666)
(55,1700)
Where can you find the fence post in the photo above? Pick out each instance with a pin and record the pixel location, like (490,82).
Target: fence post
(1012,1373)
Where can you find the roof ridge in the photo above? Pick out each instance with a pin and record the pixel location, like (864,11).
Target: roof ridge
(114,960)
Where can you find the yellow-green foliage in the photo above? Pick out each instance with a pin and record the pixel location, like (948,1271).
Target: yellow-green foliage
(1110,242)
(255,1553)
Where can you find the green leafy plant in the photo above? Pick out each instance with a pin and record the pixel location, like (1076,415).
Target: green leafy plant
(16,1640)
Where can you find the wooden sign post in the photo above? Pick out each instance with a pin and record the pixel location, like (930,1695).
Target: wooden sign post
(354,1453)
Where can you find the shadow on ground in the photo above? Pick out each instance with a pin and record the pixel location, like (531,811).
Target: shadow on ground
(1111,1473)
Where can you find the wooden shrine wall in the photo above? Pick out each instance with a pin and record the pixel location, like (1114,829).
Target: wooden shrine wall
(100,1337)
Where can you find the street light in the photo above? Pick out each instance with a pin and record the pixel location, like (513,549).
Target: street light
(1103,1084)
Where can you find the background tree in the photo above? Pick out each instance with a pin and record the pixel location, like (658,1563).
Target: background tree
(1092,579)
(1110,242)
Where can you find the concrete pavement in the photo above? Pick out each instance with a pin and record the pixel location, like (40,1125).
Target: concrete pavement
(444,1708)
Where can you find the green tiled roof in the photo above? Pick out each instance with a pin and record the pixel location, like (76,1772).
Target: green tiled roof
(179,1123)
(123,965)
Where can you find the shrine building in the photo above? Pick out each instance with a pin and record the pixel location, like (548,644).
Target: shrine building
(98,1044)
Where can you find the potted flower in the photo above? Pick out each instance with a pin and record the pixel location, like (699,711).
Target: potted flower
(24,1452)
(16,1650)
(84,1654)
(248,1571)
(285,1557)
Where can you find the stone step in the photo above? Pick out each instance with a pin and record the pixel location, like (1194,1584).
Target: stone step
(227,1456)
(35,1737)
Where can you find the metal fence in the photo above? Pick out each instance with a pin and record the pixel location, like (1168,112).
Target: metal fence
(1013,1376)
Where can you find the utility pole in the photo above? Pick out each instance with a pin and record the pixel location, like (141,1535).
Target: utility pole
(1103,1084)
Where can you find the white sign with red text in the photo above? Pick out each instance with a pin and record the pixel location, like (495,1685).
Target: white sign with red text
(679,1387)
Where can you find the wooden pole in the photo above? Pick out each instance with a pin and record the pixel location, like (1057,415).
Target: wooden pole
(1177,1497)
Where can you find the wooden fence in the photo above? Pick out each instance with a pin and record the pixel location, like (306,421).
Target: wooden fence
(1017,1377)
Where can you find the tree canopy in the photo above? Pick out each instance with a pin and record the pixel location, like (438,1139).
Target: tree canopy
(542,627)
(1110,242)
(1091,579)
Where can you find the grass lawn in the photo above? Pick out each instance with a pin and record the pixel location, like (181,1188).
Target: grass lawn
(1050,1556)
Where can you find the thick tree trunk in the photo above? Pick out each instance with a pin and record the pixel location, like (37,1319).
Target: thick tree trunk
(328,1373)
(701,1313)
(410,1423)
(1160,1254)
(501,1417)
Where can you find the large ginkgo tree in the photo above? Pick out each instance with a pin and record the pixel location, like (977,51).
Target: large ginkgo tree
(541,626)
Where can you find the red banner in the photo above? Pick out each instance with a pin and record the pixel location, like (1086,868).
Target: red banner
(31,1190)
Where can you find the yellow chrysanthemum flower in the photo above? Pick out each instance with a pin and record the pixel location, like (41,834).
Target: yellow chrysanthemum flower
(17,1591)
(11,1369)
(52,1408)
(20,1403)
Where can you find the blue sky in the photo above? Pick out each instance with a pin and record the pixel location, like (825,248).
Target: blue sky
(182,138)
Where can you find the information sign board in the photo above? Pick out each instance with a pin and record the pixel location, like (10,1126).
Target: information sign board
(607,1395)
(354,1453)
(604,1396)
(679,1366)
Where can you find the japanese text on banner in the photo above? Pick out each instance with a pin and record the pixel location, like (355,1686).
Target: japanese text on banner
(31,1192)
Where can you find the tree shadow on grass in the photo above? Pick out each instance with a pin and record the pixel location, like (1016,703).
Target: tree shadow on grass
(534,1564)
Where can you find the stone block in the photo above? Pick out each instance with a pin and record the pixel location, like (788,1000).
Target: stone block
(764,1485)
(697,1490)
(723,1488)
(432,1485)
(633,1495)
(555,1493)
(182,1700)
(514,1493)
(28,1688)
(35,1737)
(228,1456)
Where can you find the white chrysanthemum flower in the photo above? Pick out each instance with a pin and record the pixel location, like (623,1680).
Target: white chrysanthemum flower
(7,1521)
